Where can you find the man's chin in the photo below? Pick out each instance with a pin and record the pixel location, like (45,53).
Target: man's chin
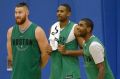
(59,20)
(19,23)
(77,35)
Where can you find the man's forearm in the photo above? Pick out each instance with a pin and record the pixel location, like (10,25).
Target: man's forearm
(44,60)
(74,52)
(101,73)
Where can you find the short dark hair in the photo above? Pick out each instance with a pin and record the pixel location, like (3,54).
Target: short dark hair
(89,23)
(67,6)
(22,4)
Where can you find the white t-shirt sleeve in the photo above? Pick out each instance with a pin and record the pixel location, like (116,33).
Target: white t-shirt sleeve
(97,52)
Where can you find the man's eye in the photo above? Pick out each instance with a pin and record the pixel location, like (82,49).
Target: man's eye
(81,24)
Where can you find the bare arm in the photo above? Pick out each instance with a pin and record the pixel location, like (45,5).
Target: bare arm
(97,53)
(74,53)
(43,43)
(9,50)
(101,68)
(62,49)
(9,47)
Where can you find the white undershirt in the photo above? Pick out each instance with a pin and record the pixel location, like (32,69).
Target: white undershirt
(97,52)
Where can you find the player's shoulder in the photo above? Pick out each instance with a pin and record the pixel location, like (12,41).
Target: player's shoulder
(10,29)
(55,24)
(95,44)
(74,24)
(39,30)
(9,32)
(39,33)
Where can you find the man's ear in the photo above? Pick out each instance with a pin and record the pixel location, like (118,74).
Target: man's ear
(28,12)
(69,13)
(88,29)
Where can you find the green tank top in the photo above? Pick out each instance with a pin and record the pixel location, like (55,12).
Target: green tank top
(26,54)
(65,67)
(90,66)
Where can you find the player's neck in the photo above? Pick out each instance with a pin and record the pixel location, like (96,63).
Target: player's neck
(88,36)
(63,23)
(25,25)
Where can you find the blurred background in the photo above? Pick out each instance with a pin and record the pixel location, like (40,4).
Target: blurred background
(104,13)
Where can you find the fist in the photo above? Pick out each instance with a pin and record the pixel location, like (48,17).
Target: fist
(61,49)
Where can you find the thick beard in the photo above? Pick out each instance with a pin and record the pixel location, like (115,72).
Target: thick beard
(22,21)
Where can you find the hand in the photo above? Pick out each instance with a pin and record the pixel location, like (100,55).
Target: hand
(49,49)
(61,49)
(77,31)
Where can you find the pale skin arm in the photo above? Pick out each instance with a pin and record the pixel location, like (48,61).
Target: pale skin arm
(49,48)
(101,69)
(43,43)
(9,47)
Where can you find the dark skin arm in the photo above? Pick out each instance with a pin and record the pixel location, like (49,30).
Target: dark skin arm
(80,41)
(101,69)
(61,48)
